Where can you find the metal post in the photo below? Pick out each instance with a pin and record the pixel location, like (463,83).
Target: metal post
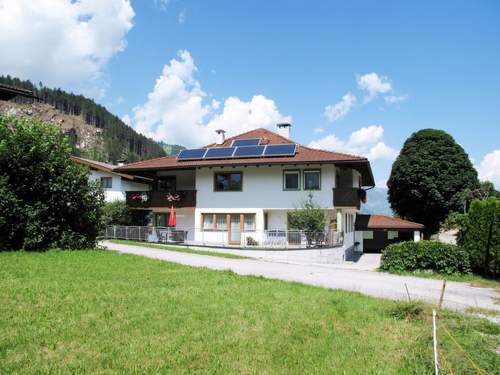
(436,372)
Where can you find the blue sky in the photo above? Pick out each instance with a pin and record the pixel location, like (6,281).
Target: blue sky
(438,61)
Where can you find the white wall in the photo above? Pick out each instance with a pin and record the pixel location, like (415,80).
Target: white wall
(119,185)
(262,187)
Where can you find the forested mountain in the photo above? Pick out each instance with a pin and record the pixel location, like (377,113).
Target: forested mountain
(172,149)
(117,141)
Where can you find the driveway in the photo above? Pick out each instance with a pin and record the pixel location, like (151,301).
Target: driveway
(459,296)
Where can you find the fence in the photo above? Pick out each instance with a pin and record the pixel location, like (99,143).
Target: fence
(267,239)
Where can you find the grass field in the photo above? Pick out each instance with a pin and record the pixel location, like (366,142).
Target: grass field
(104,312)
(179,249)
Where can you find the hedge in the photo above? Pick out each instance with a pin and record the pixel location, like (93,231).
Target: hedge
(424,256)
(480,236)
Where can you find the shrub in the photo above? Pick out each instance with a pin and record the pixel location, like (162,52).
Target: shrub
(423,256)
(116,213)
(47,200)
(407,310)
(480,236)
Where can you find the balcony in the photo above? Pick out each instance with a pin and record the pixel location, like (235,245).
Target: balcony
(347,197)
(148,199)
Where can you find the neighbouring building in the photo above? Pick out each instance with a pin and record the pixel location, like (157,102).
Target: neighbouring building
(239,190)
(374,232)
(114,184)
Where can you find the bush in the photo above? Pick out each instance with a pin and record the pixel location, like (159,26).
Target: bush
(480,236)
(423,256)
(116,213)
(47,200)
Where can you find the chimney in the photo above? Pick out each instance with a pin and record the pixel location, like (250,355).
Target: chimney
(221,136)
(284,129)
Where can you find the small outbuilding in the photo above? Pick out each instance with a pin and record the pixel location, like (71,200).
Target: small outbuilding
(374,232)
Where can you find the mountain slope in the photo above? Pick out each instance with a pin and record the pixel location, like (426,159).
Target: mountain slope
(93,130)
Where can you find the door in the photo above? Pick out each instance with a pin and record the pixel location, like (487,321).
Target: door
(234,230)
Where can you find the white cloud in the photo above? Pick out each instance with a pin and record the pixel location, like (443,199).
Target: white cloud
(127,120)
(392,99)
(62,42)
(367,141)
(339,110)
(382,151)
(318,130)
(119,100)
(177,111)
(489,169)
(182,16)
(162,4)
(374,85)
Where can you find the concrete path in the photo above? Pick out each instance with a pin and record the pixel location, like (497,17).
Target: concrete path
(458,296)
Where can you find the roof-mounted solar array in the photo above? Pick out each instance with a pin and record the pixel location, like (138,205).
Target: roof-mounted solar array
(219,152)
(249,151)
(192,154)
(246,142)
(238,152)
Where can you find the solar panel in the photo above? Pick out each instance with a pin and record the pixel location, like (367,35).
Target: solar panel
(219,152)
(249,151)
(280,150)
(191,154)
(246,142)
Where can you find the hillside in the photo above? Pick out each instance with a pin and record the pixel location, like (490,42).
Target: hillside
(377,202)
(94,131)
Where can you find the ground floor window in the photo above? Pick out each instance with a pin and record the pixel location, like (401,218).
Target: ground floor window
(392,234)
(368,235)
(235,221)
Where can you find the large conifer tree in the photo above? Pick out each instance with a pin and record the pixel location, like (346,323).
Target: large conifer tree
(428,176)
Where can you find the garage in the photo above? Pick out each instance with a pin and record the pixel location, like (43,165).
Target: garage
(375,232)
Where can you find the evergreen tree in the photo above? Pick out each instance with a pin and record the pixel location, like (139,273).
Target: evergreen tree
(428,178)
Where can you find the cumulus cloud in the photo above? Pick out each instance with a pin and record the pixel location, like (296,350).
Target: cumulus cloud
(489,168)
(318,130)
(62,42)
(374,85)
(178,110)
(127,120)
(340,109)
(367,141)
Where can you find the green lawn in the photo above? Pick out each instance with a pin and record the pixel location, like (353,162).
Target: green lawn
(179,249)
(105,312)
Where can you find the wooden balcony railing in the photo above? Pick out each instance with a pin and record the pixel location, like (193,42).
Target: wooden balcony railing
(146,199)
(347,197)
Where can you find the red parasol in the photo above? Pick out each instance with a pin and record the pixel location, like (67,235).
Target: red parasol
(172,221)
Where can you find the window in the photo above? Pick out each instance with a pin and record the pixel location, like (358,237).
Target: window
(228,181)
(392,234)
(107,182)
(291,180)
(208,221)
(249,222)
(167,183)
(221,222)
(312,180)
(368,235)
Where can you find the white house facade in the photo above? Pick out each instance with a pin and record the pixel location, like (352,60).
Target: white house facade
(115,185)
(238,192)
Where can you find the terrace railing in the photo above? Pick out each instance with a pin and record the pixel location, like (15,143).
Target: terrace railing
(267,239)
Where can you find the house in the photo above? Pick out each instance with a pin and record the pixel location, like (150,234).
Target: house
(238,191)
(374,232)
(114,184)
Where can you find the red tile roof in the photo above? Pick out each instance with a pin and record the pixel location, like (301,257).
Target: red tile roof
(369,222)
(303,155)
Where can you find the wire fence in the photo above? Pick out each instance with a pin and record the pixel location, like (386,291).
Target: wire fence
(267,239)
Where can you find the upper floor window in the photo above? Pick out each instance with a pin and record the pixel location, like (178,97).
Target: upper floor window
(107,182)
(166,183)
(228,181)
(291,180)
(312,180)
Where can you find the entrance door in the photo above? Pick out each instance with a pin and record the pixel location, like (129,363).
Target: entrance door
(234,230)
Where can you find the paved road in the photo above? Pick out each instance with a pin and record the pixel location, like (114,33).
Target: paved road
(458,296)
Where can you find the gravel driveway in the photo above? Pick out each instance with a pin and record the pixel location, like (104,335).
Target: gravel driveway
(458,296)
